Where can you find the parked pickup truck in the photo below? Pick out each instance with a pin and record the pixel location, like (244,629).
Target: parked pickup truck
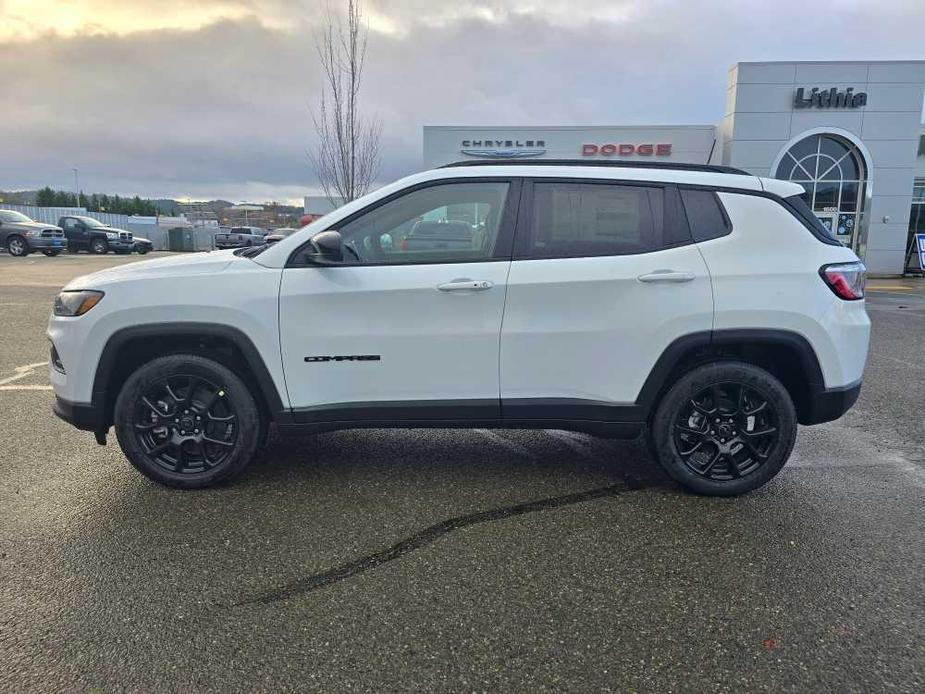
(239,237)
(89,234)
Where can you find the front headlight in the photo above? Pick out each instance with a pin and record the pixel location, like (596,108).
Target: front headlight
(76,303)
(112,235)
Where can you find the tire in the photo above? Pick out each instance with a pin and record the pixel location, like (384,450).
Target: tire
(73,248)
(142,250)
(171,447)
(17,246)
(99,246)
(51,253)
(748,441)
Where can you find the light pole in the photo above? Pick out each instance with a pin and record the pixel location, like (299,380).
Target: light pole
(76,186)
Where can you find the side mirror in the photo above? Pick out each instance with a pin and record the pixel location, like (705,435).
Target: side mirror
(326,248)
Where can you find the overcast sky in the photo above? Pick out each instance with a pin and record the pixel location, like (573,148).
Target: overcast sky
(211,98)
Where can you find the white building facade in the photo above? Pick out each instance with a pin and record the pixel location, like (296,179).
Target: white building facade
(848,132)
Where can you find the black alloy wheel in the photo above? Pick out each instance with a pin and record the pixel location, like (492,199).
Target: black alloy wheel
(187,421)
(726,431)
(99,246)
(724,428)
(184,424)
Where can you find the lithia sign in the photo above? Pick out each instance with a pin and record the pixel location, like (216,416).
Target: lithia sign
(828,98)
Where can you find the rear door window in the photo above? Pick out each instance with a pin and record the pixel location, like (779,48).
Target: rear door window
(583,219)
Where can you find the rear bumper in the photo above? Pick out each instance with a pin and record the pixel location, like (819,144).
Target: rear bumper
(830,403)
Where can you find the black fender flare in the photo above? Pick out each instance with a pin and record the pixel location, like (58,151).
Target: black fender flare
(242,342)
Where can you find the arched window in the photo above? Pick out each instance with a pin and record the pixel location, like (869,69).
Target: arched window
(831,171)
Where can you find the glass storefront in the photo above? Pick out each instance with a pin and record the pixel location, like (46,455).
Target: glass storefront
(831,171)
(916,225)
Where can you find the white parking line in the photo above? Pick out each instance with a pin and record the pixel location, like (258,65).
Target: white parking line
(7,388)
(22,372)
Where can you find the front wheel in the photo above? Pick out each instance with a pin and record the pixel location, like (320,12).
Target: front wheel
(17,246)
(99,247)
(142,250)
(724,429)
(186,421)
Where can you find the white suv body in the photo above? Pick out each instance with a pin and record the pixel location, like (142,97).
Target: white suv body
(533,295)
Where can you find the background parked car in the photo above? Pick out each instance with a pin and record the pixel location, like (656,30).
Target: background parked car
(21,235)
(241,237)
(89,234)
(278,235)
(143,245)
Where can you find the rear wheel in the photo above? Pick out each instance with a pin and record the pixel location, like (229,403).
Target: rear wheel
(99,246)
(186,421)
(17,246)
(724,429)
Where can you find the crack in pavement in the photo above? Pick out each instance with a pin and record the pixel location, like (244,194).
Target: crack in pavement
(428,536)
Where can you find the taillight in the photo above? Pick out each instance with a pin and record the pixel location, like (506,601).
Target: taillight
(845,279)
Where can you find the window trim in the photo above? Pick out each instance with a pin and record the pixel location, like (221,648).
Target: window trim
(503,244)
(673,213)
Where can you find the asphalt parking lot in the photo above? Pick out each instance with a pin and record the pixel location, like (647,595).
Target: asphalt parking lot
(466,561)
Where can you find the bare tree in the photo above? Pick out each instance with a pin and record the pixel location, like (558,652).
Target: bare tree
(346,157)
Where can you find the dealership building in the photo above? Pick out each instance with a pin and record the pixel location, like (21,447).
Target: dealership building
(850,133)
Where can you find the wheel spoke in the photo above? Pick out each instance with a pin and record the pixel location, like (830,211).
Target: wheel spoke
(688,430)
(217,442)
(756,410)
(713,461)
(754,451)
(740,405)
(697,447)
(701,409)
(194,383)
(204,454)
(213,418)
(733,466)
(160,448)
(181,459)
(154,408)
(762,432)
(173,395)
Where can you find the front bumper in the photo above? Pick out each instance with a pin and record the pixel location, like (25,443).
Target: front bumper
(830,403)
(38,243)
(121,245)
(83,416)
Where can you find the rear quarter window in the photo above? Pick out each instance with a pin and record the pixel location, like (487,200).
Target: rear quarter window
(705,214)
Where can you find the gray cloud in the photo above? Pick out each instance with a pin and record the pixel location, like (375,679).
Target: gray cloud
(223,110)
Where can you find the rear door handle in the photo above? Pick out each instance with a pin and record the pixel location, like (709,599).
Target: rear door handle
(465,285)
(666,276)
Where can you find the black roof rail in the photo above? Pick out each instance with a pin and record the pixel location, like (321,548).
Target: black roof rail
(678,166)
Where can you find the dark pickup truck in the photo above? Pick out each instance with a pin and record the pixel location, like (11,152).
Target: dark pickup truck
(89,234)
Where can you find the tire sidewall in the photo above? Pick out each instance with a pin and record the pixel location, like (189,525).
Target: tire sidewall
(694,382)
(241,400)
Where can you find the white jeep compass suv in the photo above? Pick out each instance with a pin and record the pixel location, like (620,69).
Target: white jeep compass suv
(700,304)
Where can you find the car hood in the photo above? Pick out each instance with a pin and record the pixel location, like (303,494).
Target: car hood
(32,225)
(178,265)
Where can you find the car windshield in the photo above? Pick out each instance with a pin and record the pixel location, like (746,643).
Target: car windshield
(90,222)
(13,216)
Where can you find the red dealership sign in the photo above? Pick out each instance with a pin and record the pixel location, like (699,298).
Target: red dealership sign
(626,150)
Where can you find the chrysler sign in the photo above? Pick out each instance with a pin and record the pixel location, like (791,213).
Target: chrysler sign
(503,149)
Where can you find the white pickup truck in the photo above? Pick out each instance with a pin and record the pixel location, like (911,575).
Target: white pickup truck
(241,237)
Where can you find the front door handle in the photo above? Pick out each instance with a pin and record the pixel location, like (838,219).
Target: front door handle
(465,285)
(666,276)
